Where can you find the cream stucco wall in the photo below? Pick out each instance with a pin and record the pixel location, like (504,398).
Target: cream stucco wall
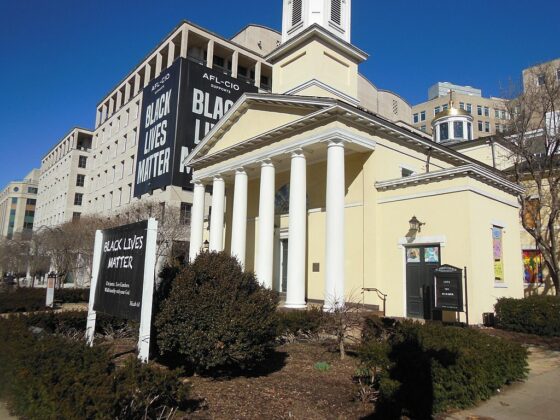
(318,61)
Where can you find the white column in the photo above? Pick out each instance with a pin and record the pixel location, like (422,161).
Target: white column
(265,258)
(239,221)
(170,53)
(217,218)
(295,295)
(334,257)
(184,42)
(197,220)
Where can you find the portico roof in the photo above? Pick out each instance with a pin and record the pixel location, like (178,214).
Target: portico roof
(321,110)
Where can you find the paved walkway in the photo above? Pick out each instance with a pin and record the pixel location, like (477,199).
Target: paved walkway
(537,398)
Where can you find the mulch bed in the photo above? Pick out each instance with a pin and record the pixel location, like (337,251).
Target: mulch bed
(549,343)
(292,388)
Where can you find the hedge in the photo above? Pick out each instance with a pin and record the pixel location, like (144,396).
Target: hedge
(428,369)
(50,377)
(300,324)
(533,315)
(33,299)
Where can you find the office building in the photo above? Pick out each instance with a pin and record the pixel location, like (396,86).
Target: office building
(490,115)
(62,183)
(17,206)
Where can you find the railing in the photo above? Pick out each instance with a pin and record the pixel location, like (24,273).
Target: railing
(380,295)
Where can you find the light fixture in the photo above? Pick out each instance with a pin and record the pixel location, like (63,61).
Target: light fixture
(206,246)
(415,225)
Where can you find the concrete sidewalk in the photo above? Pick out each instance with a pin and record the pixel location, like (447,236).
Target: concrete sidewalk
(537,398)
(4,414)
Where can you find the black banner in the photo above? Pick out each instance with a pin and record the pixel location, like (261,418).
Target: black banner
(156,140)
(449,288)
(121,271)
(178,109)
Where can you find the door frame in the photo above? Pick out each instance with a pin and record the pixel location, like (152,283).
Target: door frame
(404,243)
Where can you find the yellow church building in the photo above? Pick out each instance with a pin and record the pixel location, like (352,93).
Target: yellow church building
(323,199)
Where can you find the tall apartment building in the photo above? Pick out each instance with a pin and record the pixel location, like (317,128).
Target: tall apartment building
(489,114)
(62,184)
(112,167)
(17,206)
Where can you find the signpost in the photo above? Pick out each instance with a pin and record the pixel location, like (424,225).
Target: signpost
(51,279)
(122,282)
(449,289)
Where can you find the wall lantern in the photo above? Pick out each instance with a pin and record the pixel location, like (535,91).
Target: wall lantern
(415,225)
(206,246)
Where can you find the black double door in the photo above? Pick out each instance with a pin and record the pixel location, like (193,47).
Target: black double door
(421,261)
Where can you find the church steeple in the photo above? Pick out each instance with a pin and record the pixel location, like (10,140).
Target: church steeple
(333,15)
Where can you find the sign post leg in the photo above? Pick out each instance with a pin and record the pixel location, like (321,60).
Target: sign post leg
(90,328)
(466,298)
(148,292)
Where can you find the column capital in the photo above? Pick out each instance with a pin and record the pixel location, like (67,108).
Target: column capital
(240,169)
(267,162)
(298,152)
(336,143)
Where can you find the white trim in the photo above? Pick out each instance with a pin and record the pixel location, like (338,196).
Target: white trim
(346,206)
(318,83)
(500,285)
(464,170)
(424,240)
(329,135)
(450,190)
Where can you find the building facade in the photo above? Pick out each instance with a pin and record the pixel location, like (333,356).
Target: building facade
(318,195)
(490,115)
(62,183)
(18,203)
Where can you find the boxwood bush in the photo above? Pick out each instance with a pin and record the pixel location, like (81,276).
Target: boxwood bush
(217,317)
(50,377)
(534,315)
(300,324)
(428,369)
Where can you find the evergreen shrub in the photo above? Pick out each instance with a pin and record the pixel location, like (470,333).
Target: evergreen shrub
(217,317)
(431,368)
(50,377)
(301,324)
(533,315)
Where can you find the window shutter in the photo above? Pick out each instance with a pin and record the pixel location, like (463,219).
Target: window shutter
(336,11)
(297,12)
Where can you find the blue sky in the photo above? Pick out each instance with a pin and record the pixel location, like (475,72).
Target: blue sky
(60,57)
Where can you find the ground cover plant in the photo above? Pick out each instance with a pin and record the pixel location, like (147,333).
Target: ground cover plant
(217,317)
(50,376)
(532,315)
(419,370)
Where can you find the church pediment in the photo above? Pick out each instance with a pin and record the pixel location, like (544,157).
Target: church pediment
(254,115)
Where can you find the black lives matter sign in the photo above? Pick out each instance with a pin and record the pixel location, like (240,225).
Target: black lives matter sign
(121,271)
(178,109)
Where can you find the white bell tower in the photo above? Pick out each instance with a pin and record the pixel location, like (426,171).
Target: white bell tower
(333,15)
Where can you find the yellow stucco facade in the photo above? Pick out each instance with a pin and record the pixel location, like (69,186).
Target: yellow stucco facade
(386,174)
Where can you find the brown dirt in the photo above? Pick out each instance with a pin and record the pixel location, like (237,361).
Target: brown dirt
(292,388)
(549,343)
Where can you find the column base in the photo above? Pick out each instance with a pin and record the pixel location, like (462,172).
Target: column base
(295,305)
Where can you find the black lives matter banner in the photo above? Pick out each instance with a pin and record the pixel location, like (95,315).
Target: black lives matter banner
(178,109)
(121,271)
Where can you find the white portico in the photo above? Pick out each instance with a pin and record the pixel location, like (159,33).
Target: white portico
(264,164)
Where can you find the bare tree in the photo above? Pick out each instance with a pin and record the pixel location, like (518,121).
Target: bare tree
(173,226)
(344,319)
(533,133)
